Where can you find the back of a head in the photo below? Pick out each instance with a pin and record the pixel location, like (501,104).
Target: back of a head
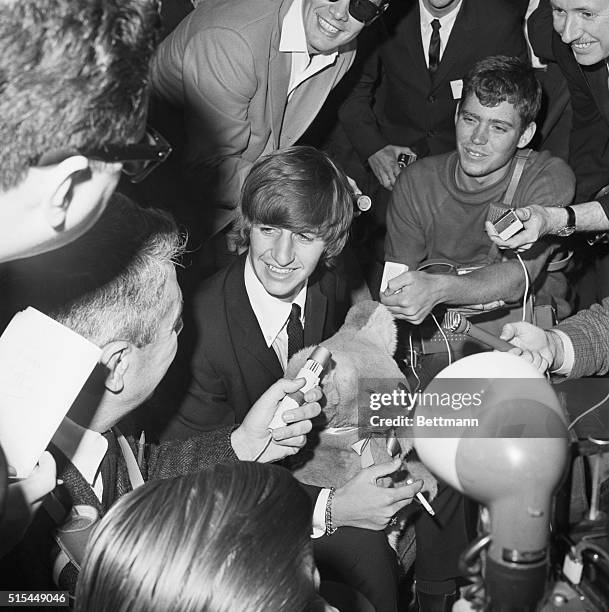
(229,539)
(501,78)
(108,284)
(73,74)
(301,189)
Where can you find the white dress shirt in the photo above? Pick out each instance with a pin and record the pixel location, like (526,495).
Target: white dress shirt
(272,315)
(294,41)
(446,27)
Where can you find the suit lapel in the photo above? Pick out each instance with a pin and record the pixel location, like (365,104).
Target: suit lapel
(459,40)
(315,314)
(597,78)
(278,82)
(308,98)
(414,43)
(78,490)
(246,335)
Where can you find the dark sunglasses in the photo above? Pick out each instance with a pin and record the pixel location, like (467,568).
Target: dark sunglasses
(365,11)
(139,159)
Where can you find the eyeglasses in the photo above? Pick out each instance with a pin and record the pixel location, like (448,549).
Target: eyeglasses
(365,11)
(138,159)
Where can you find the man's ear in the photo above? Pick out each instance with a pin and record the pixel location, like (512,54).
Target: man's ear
(59,194)
(117,357)
(527,135)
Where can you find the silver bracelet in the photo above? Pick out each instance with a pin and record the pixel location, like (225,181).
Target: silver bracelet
(329,528)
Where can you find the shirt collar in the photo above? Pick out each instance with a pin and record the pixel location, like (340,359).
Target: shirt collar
(83,447)
(450,17)
(271,312)
(293,36)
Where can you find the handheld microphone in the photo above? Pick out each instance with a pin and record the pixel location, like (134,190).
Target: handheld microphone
(311,371)
(456,323)
(363,202)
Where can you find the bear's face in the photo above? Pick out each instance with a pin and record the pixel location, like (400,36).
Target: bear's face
(362,363)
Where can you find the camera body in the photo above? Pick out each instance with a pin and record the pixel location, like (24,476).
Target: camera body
(405,159)
(507,224)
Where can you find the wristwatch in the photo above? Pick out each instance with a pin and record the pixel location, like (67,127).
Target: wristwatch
(568,229)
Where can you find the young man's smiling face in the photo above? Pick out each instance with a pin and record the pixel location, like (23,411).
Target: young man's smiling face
(487,139)
(283,260)
(584,25)
(328,25)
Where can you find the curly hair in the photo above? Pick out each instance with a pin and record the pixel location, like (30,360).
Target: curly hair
(500,78)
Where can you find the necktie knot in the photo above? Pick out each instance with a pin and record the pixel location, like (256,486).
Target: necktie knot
(435,25)
(295,331)
(295,312)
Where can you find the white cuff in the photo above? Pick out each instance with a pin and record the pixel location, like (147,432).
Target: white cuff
(564,369)
(319,514)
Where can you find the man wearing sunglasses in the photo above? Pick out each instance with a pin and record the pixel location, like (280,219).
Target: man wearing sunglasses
(249,77)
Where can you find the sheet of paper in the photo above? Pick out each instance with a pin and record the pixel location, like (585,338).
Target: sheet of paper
(43,366)
(391,270)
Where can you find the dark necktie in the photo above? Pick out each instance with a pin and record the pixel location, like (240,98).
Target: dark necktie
(295,331)
(434,46)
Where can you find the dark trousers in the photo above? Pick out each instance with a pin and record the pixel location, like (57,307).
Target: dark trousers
(441,540)
(362,559)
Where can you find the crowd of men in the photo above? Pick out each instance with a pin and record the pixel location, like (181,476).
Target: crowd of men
(239,90)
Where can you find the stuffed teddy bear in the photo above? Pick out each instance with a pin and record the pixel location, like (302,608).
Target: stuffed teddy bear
(343,442)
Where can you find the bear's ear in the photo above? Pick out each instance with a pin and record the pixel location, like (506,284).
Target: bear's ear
(381,329)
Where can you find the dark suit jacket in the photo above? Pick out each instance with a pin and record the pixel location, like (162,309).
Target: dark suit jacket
(231,365)
(589,144)
(396,101)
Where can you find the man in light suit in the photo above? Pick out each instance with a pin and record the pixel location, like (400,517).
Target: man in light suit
(250,76)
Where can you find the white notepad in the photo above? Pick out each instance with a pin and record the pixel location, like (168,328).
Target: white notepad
(43,366)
